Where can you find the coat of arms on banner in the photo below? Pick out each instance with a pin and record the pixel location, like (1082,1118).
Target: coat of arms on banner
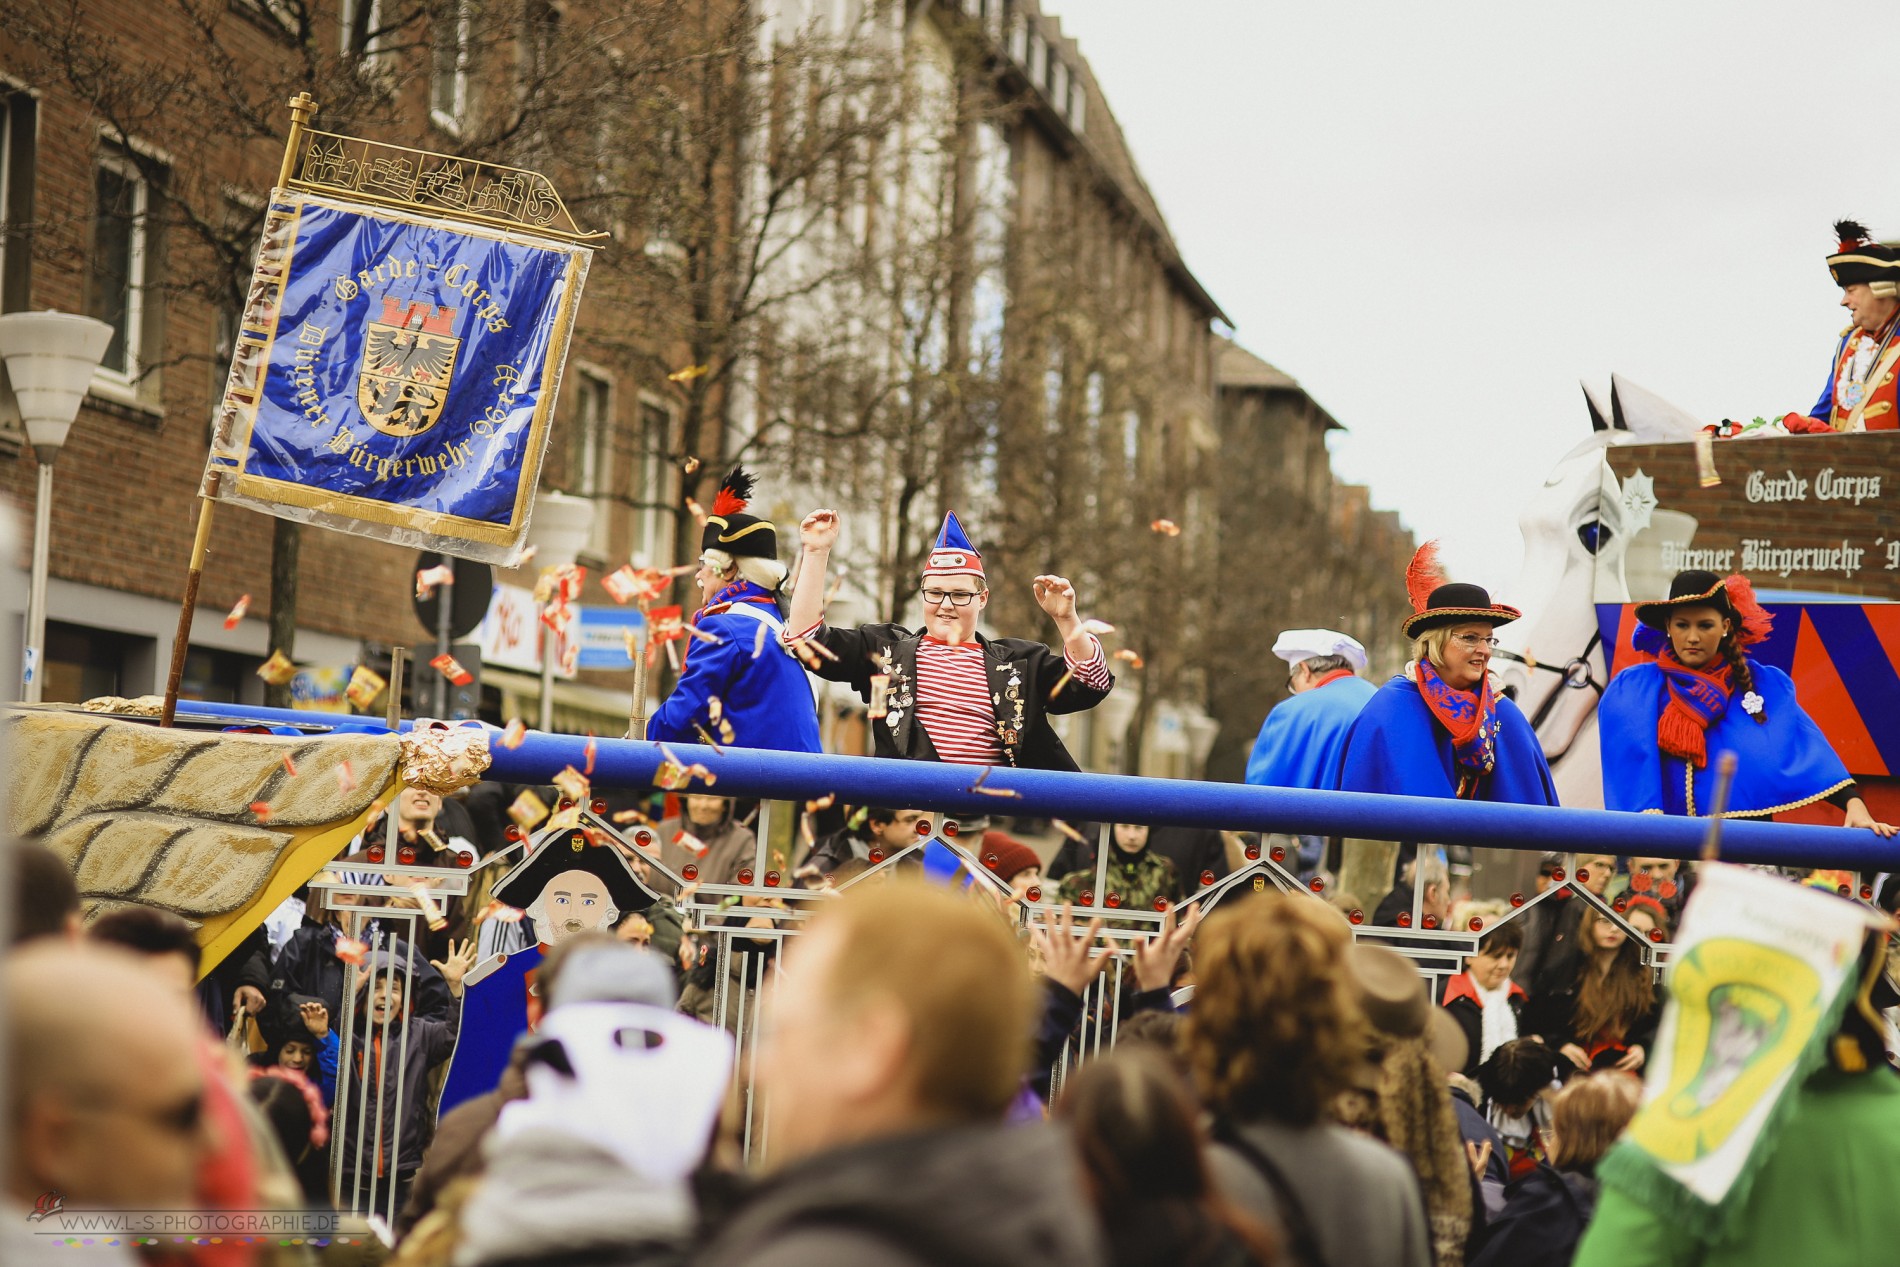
(408,359)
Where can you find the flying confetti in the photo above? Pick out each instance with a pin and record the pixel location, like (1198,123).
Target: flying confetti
(427,579)
(688,374)
(451,668)
(237,612)
(277,670)
(513,733)
(1166,527)
(345,778)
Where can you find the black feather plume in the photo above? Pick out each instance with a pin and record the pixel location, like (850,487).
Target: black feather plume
(1852,233)
(735,491)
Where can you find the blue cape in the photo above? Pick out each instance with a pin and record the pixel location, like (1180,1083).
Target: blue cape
(767,700)
(1398,747)
(1300,743)
(1782,763)
(494,1014)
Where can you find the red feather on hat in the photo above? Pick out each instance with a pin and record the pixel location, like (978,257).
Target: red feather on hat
(1755,622)
(1424,575)
(1853,235)
(735,492)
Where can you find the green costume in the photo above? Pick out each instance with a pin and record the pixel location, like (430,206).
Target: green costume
(1824,1198)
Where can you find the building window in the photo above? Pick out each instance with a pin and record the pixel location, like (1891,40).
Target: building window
(19,128)
(593,458)
(654,491)
(448,83)
(120,251)
(361,34)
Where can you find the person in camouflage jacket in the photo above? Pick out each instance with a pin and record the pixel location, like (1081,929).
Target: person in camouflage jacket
(1137,875)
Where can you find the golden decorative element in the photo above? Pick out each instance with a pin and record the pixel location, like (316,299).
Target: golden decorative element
(143,706)
(438,184)
(441,758)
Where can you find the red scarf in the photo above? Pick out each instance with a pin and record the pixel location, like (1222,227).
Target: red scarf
(1698,698)
(1470,718)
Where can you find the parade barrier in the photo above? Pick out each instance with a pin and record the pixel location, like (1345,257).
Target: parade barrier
(745,925)
(751,772)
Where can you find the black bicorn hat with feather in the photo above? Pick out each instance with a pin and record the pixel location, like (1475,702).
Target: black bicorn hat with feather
(1858,258)
(730,529)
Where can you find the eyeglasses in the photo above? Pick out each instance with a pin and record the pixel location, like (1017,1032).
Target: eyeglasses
(1475,641)
(956,598)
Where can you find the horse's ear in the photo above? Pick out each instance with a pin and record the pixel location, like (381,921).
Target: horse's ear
(1597,421)
(1617,421)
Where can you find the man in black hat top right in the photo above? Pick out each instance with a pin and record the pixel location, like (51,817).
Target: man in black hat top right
(1860,394)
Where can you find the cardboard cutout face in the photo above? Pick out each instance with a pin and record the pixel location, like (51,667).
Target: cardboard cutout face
(573,902)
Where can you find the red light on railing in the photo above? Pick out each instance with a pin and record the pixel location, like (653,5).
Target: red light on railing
(599,806)
(1583,875)
(690,871)
(1621,904)
(745,875)
(1431,921)
(1161,904)
(1317,884)
(1088,897)
(877,856)
(1253,853)
(1517,899)
(405,853)
(1405,919)
(1207,878)
(1866,892)
(991,861)
(464,860)
(1655,934)
(1476,925)
(923,826)
(1844,890)
(771,879)
(1277,853)
(1114,901)
(950,828)
(1356,916)
(563,803)
(1557,874)
(375,853)
(1035,893)
(643,838)
(512,833)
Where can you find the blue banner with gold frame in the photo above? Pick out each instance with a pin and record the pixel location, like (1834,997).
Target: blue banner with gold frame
(395,374)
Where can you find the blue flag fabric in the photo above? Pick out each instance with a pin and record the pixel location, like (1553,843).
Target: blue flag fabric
(395,376)
(1302,739)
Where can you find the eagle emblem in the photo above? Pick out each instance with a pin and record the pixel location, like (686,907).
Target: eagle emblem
(408,357)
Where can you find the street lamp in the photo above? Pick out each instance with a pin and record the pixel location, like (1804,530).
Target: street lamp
(50,358)
(558,531)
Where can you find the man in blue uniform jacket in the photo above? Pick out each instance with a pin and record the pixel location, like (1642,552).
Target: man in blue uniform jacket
(1300,744)
(745,689)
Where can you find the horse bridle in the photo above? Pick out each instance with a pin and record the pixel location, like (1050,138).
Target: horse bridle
(1576,673)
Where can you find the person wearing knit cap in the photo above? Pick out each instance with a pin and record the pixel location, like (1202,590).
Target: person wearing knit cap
(1703,693)
(946,692)
(738,688)
(1860,391)
(1017,865)
(1438,729)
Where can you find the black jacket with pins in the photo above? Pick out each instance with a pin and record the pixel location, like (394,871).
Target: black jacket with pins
(1023,674)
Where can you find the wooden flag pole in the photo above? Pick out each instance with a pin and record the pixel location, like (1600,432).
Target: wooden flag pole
(302,106)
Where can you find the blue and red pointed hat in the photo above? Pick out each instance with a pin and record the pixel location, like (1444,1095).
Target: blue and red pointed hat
(953,555)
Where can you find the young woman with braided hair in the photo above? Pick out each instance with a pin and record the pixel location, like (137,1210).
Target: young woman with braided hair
(1661,720)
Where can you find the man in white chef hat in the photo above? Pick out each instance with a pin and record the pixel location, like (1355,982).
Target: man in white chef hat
(1301,742)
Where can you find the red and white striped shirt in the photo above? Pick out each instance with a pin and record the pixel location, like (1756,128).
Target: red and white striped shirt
(953,702)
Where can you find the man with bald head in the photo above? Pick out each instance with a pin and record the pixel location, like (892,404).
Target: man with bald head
(105,1091)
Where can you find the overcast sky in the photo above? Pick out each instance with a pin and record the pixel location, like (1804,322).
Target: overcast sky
(1439,217)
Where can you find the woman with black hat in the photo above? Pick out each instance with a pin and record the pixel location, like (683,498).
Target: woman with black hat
(1437,729)
(1703,693)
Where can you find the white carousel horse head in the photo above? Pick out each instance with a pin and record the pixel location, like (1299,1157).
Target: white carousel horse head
(1577,533)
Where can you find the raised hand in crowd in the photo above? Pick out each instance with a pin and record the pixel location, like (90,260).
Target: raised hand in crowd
(1155,959)
(455,967)
(316,1018)
(1065,952)
(819,530)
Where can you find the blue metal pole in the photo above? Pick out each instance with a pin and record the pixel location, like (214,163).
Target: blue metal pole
(1163,802)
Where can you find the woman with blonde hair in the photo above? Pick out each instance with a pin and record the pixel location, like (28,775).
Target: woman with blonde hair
(1275,1036)
(1546,1211)
(1438,729)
